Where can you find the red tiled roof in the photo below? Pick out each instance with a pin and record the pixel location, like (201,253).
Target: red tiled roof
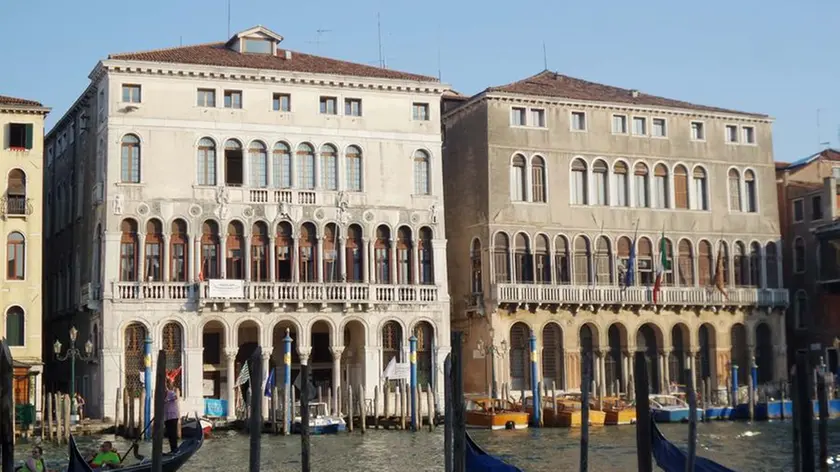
(216,54)
(4,100)
(552,84)
(781,165)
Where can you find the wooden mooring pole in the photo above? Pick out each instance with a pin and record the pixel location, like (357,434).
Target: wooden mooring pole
(584,414)
(822,398)
(304,417)
(256,418)
(692,420)
(806,410)
(643,425)
(459,439)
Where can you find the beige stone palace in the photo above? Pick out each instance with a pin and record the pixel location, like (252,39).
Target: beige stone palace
(549,180)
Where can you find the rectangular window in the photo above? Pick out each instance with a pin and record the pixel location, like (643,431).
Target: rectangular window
(600,188)
(282,102)
(731,134)
(259,46)
(403,266)
(328,106)
(537,117)
(659,128)
(206,98)
(698,133)
(798,210)
(153,267)
(21,136)
(578,121)
(517,116)
(130,93)
(233,99)
(420,111)
(748,133)
(641,191)
(619,124)
(660,192)
(639,126)
(816,208)
(353,107)
(179,262)
(127,259)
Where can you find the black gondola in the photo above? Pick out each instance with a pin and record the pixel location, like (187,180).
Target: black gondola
(478,460)
(672,459)
(192,440)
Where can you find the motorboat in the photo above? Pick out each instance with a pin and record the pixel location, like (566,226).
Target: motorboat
(320,422)
(493,413)
(617,411)
(569,411)
(671,409)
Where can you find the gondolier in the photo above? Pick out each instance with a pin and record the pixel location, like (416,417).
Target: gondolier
(171,415)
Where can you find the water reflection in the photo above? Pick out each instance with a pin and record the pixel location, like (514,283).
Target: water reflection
(740,446)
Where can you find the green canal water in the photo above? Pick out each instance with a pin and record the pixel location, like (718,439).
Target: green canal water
(740,446)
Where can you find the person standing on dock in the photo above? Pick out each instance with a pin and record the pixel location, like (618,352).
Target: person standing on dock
(171,415)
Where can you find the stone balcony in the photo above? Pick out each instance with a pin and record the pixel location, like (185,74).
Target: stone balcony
(595,297)
(277,293)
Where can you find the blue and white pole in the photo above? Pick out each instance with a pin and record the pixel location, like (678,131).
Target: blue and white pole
(287,379)
(734,385)
(147,364)
(535,416)
(412,343)
(754,374)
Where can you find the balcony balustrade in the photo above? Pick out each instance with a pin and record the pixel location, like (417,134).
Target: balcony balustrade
(277,292)
(643,296)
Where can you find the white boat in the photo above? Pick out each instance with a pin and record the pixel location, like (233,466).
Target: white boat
(670,409)
(319,421)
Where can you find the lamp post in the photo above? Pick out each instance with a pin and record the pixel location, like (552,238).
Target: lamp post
(492,351)
(72,354)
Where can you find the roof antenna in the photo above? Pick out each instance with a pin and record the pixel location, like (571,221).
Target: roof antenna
(545,58)
(228,18)
(317,41)
(438,53)
(379,34)
(180,40)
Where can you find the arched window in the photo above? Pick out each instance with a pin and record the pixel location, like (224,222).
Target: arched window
(210,263)
(128,251)
(15,322)
(404,251)
(206,164)
(681,187)
(599,175)
(749,189)
(538,179)
(520,372)
(234,246)
(543,261)
(623,250)
(284,252)
(621,188)
(800,310)
(701,192)
(660,187)
(259,252)
(329,167)
(686,263)
(258,161)
(422,184)
(353,160)
(705,263)
(741,265)
(355,251)
(306,166)
(425,256)
(583,261)
(233,163)
(666,246)
(603,261)
(424,333)
(772,265)
(179,250)
(522,258)
(755,264)
(799,255)
(130,152)
(642,186)
(517,179)
(580,187)
(734,190)
(173,345)
(562,260)
(644,261)
(501,258)
(16,193)
(308,253)
(475,264)
(281,163)
(391,342)
(382,254)
(330,256)
(153,250)
(15,256)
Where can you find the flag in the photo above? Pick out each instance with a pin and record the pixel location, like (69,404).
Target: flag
(244,375)
(173,374)
(629,274)
(719,282)
(390,369)
(660,268)
(269,384)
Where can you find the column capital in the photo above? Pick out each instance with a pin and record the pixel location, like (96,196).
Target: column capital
(665,352)
(303,352)
(336,352)
(266,353)
(230,353)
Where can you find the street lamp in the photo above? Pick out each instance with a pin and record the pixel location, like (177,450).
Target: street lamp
(73,353)
(492,351)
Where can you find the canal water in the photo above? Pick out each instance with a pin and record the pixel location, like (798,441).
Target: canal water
(740,446)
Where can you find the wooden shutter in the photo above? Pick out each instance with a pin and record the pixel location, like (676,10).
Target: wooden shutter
(30,131)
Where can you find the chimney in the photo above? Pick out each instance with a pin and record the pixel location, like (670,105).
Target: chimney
(634,93)
(288,55)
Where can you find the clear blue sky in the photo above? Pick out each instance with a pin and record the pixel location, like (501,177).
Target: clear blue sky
(770,56)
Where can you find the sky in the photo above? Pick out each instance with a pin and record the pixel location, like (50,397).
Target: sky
(767,56)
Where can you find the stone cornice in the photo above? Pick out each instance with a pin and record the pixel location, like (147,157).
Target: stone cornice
(24,110)
(265,76)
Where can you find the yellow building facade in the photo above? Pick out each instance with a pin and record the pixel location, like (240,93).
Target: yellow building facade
(21,217)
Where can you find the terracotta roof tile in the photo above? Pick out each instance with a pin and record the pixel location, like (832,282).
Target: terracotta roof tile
(4,100)
(216,54)
(552,84)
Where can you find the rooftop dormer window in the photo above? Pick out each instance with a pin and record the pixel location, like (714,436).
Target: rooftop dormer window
(256,40)
(256,46)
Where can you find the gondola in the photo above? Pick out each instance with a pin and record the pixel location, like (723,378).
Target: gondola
(672,459)
(192,441)
(477,460)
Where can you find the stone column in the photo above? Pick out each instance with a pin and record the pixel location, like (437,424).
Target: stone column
(441,354)
(392,262)
(272,260)
(246,255)
(340,254)
(230,383)
(195,260)
(319,259)
(192,378)
(165,255)
(223,253)
(665,378)
(367,257)
(141,257)
(336,374)
(113,377)
(602,371)
(266,357)
(763,274)
(414,261)
(303,352)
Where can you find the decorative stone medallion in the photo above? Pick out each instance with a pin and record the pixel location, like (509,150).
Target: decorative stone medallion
(415,217)
(319,214)
(195,210)
(142,209)
(368,216)
(248,212)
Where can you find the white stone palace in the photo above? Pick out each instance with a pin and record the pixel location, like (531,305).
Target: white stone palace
(216,195)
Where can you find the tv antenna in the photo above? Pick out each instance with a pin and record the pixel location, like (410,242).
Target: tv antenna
(318,34)
(228,18)
(379,36)
(545,58)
